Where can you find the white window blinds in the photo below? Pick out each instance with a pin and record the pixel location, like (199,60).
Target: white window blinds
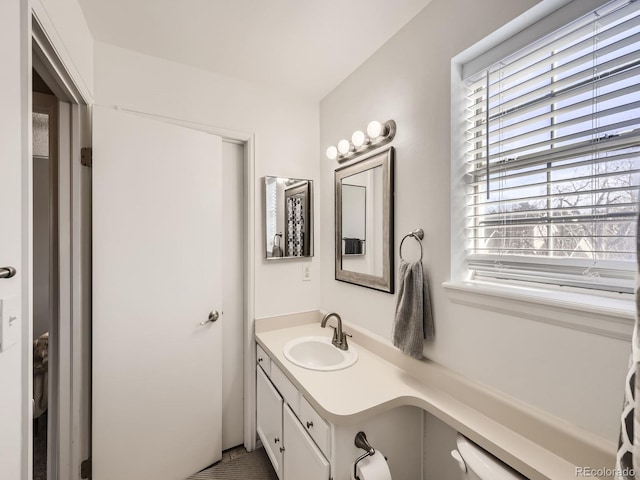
(271,220)
(553,156)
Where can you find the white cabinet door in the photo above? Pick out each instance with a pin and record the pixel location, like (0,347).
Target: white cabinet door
(302,459)
(269,420)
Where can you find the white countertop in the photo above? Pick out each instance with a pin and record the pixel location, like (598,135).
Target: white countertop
(537,444)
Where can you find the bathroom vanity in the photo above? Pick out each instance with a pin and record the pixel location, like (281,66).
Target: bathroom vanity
(302,444)
(385,394)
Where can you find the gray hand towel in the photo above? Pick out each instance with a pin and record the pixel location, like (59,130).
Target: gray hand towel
(413,322)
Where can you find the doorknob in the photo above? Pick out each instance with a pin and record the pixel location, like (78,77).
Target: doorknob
(7,272)
(213,316)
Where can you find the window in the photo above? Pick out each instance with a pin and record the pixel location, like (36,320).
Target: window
(553,156)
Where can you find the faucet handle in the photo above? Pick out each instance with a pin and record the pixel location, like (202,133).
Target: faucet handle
(344,345)
(335,338)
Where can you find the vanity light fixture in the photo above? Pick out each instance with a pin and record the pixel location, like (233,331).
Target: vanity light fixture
(374,129)
(344,147)
(359,138)
(377,135)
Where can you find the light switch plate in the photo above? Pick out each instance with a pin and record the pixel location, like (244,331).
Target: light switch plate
(306,272)
(9,322)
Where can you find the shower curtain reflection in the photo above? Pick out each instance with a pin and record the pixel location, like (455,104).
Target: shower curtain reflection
(288,217)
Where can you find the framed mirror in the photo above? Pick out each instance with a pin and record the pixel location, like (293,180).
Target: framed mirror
(364,222)
(288,217)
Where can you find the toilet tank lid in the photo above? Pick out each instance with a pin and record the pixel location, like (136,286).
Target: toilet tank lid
(483,464)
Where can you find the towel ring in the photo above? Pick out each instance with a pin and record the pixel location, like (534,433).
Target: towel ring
(418,234)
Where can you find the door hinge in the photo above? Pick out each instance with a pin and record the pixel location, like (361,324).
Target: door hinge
(85,469)
(86,156)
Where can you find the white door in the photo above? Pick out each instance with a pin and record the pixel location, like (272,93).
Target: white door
(15,406)
(156,278)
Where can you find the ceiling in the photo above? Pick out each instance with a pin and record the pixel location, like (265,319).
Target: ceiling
(309,46)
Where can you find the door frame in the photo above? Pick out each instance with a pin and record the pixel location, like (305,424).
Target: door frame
(69,414)
(49,104)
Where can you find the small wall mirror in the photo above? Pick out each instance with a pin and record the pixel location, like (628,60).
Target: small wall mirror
(364,222)
(288,217)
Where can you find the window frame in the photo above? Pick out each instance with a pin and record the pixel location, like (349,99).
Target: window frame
(612,312)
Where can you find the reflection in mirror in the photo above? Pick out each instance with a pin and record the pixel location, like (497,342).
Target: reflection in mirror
(288,217)
(364,212)
(364,222)
(354,219)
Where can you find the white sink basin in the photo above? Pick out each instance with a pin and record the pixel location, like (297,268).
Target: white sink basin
(317,353)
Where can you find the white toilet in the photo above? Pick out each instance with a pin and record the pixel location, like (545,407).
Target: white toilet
(478,464)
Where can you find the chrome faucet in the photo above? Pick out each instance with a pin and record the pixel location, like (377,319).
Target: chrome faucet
(339,337)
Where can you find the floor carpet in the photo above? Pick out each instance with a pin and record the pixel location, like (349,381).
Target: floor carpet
(238,464)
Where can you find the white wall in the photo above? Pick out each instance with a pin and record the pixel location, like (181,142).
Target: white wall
(575,375)
(439,441)
(286,143)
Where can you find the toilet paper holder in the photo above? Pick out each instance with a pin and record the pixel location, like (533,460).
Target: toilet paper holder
(361,442)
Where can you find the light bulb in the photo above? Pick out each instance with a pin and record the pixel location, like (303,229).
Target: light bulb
(344,146)
(374,129)
(358,138)
(332,153)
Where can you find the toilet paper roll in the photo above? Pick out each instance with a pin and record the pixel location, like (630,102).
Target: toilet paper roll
(374,467)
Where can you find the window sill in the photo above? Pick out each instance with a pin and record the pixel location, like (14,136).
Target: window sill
(593,312)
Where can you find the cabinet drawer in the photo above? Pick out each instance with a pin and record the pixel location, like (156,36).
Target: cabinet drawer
(316,426)
(286,388)
(263,360)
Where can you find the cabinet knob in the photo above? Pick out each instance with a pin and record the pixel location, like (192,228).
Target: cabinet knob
(276,440)
(309,424)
